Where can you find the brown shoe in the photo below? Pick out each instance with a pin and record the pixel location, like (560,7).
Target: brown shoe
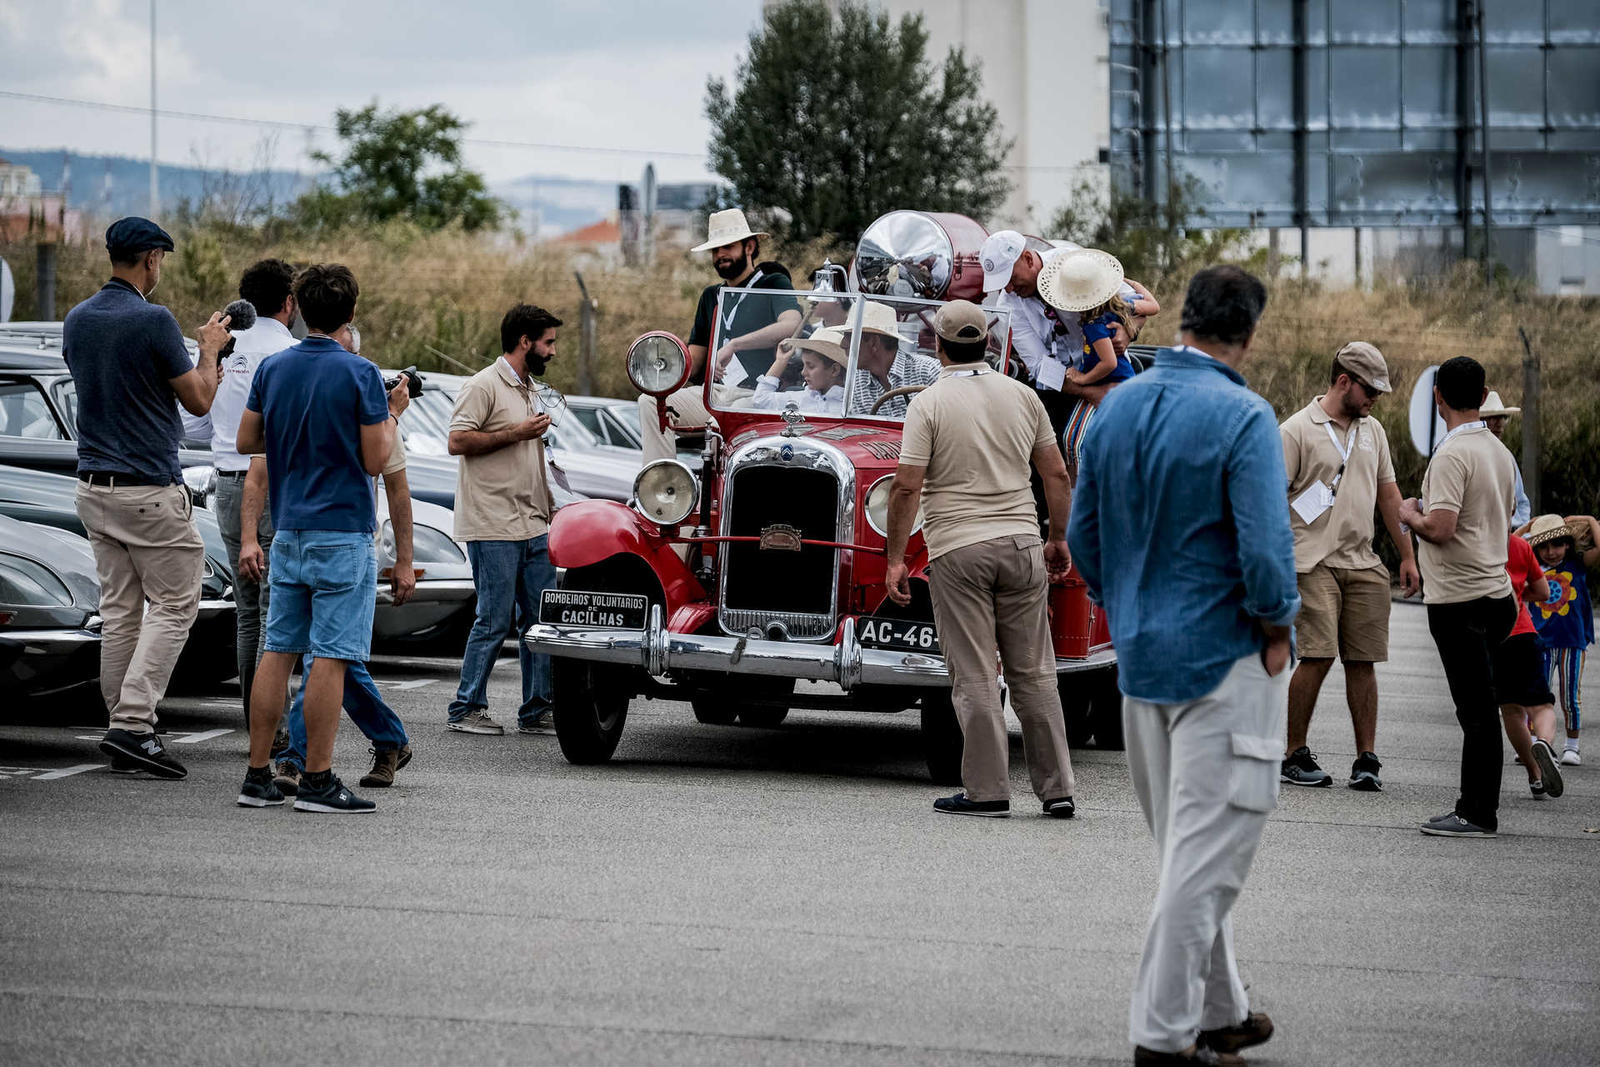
(286,776)
(1255,1030)
(1199,1054)
(384,766)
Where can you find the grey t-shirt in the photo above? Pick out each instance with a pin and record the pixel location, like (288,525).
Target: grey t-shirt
(123,352)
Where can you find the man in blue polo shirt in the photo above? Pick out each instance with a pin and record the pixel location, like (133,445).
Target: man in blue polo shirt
(1180,528)
(320,415)
(131,371)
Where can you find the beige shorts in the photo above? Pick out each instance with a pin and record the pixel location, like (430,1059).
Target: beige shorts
(1344,613)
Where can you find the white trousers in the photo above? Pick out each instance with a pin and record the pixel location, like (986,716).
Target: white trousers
(1206,773)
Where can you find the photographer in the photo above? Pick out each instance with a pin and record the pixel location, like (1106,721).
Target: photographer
(131,370)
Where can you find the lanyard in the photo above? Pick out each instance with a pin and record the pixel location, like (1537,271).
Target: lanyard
(727,320)
(967,373)
(1458,429)
(1343,450)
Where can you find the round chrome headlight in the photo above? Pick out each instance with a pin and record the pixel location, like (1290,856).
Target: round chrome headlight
(878,507)
(666,492)
(658,364)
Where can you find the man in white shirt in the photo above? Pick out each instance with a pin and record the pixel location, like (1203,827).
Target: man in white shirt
(267,285)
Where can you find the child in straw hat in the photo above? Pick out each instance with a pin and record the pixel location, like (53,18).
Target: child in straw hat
(822,366)
(1565,620)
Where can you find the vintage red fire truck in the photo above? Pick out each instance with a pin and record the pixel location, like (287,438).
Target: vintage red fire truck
(725,585)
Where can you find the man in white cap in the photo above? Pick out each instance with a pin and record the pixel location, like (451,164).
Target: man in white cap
(1494,414)
(1339,467)
(746,330)
(1045,340)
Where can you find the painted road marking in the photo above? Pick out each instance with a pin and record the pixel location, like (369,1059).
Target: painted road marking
(67,772)
(416,684)
(195,739)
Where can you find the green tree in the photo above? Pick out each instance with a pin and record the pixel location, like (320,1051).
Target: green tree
(399,164)
(835,121)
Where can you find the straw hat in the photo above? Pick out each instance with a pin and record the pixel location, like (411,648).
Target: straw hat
(1493,406)
(879,318)
(724,228)
(1548,528)
(1079,280)
(828,342)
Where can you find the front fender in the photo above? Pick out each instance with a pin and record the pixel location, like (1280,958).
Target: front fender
(589,531)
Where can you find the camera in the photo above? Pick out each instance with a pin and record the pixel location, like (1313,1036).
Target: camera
(413,382)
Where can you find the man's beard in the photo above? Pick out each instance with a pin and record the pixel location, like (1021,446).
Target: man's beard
(536,365)
(1352,407)
(730,271)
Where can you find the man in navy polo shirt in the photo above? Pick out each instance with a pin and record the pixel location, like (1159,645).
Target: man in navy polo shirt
(131,371)
(320,415)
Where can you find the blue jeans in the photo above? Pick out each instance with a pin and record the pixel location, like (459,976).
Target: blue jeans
(375,719)
(324,589)
(509,576)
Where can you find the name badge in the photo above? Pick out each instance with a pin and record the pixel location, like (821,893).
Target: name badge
(1310,504)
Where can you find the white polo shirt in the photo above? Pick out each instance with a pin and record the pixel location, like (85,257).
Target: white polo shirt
(267,337)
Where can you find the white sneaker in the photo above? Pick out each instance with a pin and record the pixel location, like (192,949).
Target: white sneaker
(1570,757)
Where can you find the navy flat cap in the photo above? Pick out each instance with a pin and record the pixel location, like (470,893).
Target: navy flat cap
(133,234)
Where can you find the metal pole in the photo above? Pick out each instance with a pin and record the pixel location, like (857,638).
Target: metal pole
(1483,135)
(1358,256)
(586,326)
(1464,125)
(45,281)
(155,190)
(1531,460)
(1301,121)
(1166,114)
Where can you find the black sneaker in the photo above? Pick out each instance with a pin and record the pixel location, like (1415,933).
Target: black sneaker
(1364,773)
(960,805)
(144,751)
(330,798)
(259,790)
(121,764)
(1255,1030)
(1452,825)
(1549,772)
(1060,808)
(1201,1054)
(1301,769)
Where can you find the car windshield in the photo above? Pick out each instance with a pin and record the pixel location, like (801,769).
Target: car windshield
(851,355)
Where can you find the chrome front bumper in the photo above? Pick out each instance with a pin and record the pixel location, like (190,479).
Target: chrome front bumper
(658,650)
(431,591)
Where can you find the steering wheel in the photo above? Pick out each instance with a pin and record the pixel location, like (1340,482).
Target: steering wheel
(904,390)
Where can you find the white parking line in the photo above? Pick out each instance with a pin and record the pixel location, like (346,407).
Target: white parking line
(414,684)
(67,772)
(195,739)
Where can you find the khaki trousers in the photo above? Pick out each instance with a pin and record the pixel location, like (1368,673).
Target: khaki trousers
(146,549)
(1206,774)
(688,408)
(993,595)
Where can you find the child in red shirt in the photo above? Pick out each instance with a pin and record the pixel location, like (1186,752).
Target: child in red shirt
(1521,686)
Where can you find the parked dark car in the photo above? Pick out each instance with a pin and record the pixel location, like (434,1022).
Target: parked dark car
(49,632)
(36,496)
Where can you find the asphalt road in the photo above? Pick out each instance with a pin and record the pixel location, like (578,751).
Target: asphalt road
(719,895)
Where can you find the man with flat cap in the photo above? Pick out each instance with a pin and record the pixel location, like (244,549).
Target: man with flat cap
(1337,458)
(970,441)
(131,371)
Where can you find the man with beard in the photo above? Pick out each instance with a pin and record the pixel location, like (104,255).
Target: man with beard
(746,330)
(503,509)
(1337,459)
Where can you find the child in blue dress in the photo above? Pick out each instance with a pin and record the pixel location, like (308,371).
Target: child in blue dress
(1101,362)
(1565,621)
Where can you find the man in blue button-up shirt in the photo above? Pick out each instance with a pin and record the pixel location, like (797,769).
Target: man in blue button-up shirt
(1180,527)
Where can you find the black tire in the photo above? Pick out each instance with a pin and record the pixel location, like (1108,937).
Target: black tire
(1105,709)
(941,737)
(763,717)
(1076,689)
(713,708)
(590,709)
(751,701)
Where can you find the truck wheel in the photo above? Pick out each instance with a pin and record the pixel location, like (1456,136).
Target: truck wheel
(941,737)
(1105,709)
(1075,690)
(590,709)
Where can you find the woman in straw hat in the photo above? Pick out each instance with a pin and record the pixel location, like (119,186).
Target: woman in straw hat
(822,365)
(1565,620)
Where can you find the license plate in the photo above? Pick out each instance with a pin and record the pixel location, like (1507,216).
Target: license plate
(572,607)
(898,634)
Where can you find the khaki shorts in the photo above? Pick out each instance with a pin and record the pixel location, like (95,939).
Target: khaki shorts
(1344,613)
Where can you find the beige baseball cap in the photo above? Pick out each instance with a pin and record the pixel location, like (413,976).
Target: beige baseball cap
(961,320)
(1365,362)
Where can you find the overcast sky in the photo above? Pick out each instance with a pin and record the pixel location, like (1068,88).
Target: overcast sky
(609,73)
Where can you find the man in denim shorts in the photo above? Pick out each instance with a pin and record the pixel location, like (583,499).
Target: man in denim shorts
(321,416)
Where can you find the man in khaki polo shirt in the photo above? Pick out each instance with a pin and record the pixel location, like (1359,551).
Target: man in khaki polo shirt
(1462,520)
(969,439)
(503,510)
(1337,458)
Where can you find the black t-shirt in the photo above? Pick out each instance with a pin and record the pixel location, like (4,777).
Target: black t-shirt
(742,314)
